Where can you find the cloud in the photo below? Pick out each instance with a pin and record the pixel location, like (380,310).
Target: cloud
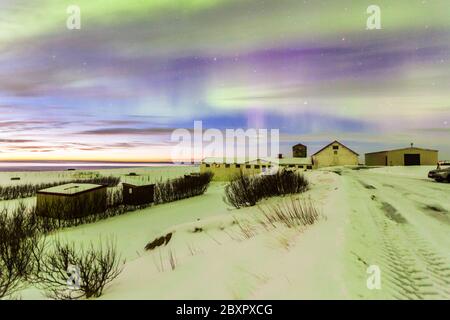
(16,141)
(127,131)
(140,68)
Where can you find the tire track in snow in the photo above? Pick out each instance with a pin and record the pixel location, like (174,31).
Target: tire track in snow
(411,267)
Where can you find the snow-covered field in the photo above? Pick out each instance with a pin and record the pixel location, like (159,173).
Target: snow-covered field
(144,175)
(394,218)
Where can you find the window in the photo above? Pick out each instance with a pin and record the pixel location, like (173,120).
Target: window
(291,166)
(308,167)
(227,165)
(248,166)
(256,166)
(238,165)
(335,147)
(301,167)
(207,165)
(335,152)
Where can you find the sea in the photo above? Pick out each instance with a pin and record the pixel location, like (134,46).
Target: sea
(26,166)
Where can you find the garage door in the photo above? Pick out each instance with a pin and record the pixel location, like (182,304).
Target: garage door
(412,159)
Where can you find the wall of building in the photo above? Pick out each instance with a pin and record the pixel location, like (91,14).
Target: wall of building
(396,157)
(138,195)
(225,172)
(299,151)
(376,159)
(71,206)
(328,158)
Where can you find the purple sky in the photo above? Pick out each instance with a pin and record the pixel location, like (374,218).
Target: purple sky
(135,71)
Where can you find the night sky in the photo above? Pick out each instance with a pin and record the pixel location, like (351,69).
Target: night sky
(138,69)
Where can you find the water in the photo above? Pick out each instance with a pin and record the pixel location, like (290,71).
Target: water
(23,166)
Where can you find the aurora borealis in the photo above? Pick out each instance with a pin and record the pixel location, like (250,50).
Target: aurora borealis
(138,69)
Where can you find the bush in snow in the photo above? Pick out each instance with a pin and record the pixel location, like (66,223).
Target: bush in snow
(244,190)
(18,240)
(182,188)
(88,270)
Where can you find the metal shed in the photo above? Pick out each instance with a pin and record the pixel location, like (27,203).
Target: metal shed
(403,157)
(134,194)
(71,200)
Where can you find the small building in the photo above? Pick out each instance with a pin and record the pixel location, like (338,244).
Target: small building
(72,200)
(334,154)
(411,156)
(224,170)
(138,194)
(296,163)
(299,151)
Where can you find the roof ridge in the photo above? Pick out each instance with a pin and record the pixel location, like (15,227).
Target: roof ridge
(336,142)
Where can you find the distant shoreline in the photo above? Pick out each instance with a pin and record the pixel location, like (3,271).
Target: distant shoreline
(36,166)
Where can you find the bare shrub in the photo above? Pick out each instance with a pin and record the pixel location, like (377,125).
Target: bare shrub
(182,188)
(18,239)
(97,267)
(245,191)
(240,192)
(114,197)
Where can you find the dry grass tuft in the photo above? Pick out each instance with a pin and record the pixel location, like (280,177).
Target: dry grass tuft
(292,213)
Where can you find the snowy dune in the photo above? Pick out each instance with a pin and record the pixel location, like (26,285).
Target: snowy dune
(393,217)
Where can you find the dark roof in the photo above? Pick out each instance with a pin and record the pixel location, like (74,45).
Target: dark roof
(137,185)
(335,141)
(299,144)
(71,189)
(403,149)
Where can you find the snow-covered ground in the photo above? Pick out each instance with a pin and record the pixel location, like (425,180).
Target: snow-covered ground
(394,218)
(400,221)
(144,174)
